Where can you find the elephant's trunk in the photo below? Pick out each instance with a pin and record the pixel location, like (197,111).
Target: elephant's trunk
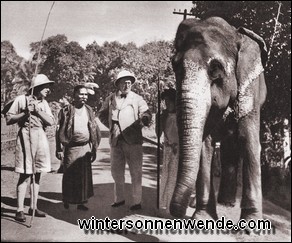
(193,104)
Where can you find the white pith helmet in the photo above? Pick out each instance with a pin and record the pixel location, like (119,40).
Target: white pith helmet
(124,74)
(40,79)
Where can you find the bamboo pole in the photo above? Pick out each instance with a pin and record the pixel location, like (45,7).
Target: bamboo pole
(32,156)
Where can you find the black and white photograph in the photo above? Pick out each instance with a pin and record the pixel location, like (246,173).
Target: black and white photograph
(145,121)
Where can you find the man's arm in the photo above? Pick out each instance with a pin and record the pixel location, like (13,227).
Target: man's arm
(17,111)
(98,135)
(103,113)
(46,118)
(45,115)
(13,118)
(59,149)
(144,112)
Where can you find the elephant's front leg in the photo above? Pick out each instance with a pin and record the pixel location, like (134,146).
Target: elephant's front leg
(205,193)
(251,204)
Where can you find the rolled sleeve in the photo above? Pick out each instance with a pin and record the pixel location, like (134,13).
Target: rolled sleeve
(143,107)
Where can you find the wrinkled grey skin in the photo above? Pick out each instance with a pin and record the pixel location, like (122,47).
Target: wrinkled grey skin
(220,89)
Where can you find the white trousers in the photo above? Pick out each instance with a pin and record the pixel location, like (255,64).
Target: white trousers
(133,155)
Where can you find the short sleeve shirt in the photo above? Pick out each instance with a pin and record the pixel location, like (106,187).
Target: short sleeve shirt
(20,104)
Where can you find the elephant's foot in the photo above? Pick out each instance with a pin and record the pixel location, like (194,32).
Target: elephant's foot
(227,201)
(205,213)
(177,210)
(251,213)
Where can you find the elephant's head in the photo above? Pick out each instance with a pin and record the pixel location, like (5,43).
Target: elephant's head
(215,65)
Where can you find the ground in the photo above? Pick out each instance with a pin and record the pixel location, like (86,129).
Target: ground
(61,224)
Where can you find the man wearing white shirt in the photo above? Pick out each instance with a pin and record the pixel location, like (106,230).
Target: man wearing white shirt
(125,113)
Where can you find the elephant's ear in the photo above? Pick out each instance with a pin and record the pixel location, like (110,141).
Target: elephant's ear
(249,67)
(257,39)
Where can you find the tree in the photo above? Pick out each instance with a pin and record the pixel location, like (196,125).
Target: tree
(105,60)
(16,73)
(65,62)
(151,62)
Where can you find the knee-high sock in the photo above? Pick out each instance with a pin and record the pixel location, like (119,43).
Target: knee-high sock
(34,197)
(21,191)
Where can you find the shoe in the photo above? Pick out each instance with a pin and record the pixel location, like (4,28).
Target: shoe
(66,205)
(37,213)
(136,207)
(117,204)
(19,216)
(60,170)
(82,207)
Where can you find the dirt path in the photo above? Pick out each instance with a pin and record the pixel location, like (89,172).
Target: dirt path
(61,224)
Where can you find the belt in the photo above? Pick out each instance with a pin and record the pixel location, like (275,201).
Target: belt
(77,144)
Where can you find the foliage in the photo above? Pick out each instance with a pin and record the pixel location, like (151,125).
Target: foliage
(104,60)
(15,73)
(152,64)
(64,62)
(68,64)
(146,62)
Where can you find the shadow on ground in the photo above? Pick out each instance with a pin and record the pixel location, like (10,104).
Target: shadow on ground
(8,168)
(99,207)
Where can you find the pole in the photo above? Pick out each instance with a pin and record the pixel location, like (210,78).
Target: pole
(184,13)
(158,142)
(32,155)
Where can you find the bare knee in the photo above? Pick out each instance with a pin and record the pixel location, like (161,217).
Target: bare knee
(37,178)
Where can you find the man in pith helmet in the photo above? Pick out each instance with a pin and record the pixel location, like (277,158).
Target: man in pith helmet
(125,113)
(32,154)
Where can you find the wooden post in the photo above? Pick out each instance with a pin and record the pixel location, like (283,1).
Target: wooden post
(184,13)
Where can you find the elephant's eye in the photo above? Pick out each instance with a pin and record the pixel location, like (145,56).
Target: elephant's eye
(218,82)
(216,70)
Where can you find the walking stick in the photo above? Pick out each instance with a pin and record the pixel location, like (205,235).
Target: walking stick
(29,129)
(158,143)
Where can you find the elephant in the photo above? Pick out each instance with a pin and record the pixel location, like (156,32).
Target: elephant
(220,85)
